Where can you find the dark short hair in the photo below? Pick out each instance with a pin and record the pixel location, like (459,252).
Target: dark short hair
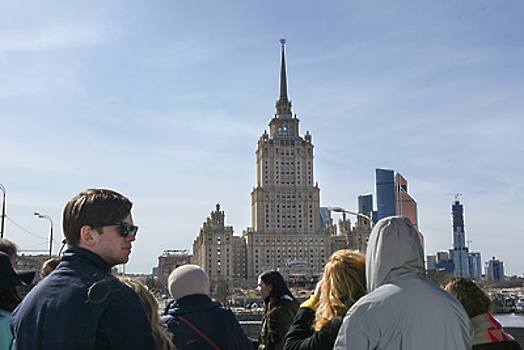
(93,207)
(470,295)
(8,247)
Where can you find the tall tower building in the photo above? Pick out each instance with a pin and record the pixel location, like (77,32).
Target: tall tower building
(460,251)
(404,203)
(365,204)
(385,183)
(495,269)
(475,265)
(287,226)
(393,197)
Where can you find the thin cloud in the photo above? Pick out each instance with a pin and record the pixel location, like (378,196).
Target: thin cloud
(58,36)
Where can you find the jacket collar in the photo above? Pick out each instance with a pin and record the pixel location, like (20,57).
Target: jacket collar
(191,303)
(82,254)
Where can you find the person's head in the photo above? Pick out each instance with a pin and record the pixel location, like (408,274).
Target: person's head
(150,303)
(271,285)
(344,282)
(394,250)
(8,247)
(100,220)
(9,283)
(470,295)
(49,266)
(188,280)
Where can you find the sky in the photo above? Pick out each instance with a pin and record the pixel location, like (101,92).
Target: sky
(164,101)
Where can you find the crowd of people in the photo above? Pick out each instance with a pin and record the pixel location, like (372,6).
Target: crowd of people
(378,301)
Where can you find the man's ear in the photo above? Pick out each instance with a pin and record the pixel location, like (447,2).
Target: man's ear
(87,235)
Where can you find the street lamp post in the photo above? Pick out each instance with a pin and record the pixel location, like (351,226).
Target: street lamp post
(3,209)
(47,217)
(342,210)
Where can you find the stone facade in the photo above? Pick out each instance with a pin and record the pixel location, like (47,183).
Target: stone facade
(218,251)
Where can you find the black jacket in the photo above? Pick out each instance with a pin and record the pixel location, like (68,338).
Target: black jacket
(81,306)
(276,323)
(301,335)
(217,323)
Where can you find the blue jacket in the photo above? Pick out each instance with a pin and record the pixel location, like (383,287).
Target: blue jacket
(81,306)
(217,323)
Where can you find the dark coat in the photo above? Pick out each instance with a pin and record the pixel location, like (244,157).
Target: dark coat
(301,335)
(502,345)
(217,323)
(275,324)
(81,306)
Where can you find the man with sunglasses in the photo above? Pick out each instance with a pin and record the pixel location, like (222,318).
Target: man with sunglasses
(81,305)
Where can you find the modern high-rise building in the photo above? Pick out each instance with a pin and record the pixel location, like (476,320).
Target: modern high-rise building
(393,197)
(460,251)
(404,203)
(475,265)
(385,184)
(365,204)
(495,269)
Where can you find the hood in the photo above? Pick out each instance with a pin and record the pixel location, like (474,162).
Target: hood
(394,252)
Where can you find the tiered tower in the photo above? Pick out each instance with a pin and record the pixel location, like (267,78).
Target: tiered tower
(287,227)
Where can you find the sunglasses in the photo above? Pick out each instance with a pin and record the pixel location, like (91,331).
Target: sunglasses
(125,228)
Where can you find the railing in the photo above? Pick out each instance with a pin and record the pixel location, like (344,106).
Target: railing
(251,328)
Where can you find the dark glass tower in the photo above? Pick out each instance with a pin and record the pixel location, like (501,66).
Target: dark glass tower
(386,205)
(460,251)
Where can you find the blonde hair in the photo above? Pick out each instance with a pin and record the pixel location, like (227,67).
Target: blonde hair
(344,283)
(160,333)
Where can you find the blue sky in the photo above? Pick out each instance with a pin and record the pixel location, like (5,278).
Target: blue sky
(165,101)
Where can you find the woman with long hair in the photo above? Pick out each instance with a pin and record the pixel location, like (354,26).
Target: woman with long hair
(319,318)
(159,329)
(280,309)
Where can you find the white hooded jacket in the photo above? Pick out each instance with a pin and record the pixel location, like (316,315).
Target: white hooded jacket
(403,310)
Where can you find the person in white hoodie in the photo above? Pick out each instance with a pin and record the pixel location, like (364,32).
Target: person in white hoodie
(404,309)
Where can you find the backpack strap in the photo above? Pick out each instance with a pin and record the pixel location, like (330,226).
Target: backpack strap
(198,331)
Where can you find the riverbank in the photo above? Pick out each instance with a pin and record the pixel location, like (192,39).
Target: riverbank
(511,320)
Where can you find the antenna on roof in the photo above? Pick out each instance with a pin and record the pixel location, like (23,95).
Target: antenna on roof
(455,195)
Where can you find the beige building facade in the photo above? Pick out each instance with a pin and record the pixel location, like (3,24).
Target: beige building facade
(221,254)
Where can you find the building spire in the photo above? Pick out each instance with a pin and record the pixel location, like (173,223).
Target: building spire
(283,78)
(283,105)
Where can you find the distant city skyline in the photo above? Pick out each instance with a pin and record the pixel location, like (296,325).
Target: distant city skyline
(165,103)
